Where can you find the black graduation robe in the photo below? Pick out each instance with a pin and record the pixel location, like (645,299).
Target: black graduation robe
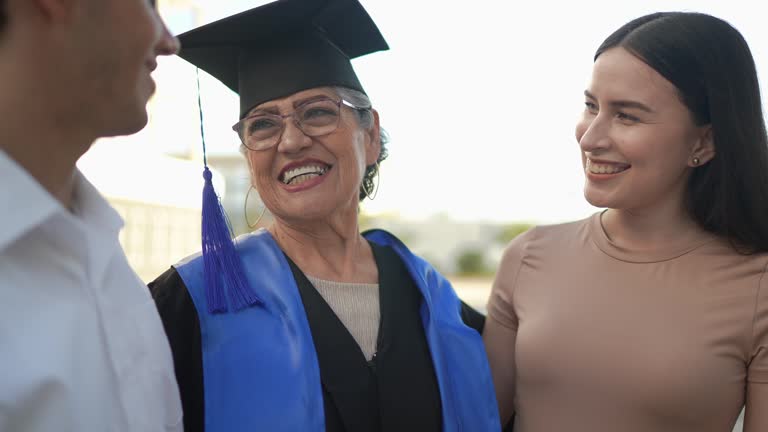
(396,391)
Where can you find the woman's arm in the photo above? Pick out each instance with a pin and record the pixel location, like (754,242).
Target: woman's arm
(500,331)
(179,316)
(472,317)
(756,413)
(500,346)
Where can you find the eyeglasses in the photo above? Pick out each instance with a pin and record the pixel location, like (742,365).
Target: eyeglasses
(318,117)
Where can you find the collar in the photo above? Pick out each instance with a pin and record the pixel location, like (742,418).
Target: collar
(27,204)
(657,255)
(93,209)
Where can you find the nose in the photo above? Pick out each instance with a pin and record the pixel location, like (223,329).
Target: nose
(592,133)
(293,139)
(168,44)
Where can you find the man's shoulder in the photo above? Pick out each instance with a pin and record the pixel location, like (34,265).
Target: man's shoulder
(26,205)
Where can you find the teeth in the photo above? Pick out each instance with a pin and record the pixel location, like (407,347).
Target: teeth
(302,178)
(303,173)
(599,168)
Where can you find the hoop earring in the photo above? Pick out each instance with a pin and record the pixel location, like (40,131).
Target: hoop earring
(245,210)
(378,181)
(695,161)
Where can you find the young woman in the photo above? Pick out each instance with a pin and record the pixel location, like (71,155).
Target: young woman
(653,314)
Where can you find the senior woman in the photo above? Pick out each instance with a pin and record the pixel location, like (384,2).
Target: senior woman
(351,332)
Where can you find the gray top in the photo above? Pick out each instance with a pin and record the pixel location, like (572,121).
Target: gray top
(357,307)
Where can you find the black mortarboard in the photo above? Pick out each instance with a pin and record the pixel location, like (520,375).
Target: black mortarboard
(283,47)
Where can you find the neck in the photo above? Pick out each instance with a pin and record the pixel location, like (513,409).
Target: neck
(39,132)
(647,229)
(330,250)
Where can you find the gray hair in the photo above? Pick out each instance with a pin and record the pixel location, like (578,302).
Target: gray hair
(365,120)
(361,101)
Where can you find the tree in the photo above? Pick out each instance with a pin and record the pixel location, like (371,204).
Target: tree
(471,262)
(510,231)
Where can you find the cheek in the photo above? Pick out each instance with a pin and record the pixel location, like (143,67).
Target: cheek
(259,168)
(260,182)
(355,155)
(656,147)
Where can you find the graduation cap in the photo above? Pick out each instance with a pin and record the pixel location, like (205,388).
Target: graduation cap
(283,47)
(266,53)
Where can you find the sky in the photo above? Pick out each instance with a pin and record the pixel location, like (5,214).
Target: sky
(480,99)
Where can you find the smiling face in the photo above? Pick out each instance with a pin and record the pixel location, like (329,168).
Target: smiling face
(638,140)
(121,40)
(309,178)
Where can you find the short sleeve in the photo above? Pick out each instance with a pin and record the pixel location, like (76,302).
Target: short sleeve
(500,333)
(756,418)
(758,365)
(500,303)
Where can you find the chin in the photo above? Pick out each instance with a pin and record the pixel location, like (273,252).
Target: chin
(313,210)
(128,124)
(597,199)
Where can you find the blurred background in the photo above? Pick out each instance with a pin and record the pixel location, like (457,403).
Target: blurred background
(479,98)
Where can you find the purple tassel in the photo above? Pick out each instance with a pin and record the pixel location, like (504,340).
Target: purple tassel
(222,262)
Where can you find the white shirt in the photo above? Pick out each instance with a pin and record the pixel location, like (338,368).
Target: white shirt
(82,347)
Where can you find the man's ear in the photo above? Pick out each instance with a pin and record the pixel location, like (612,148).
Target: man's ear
(374,140)
(703,150)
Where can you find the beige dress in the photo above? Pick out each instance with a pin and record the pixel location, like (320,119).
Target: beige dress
(586,336)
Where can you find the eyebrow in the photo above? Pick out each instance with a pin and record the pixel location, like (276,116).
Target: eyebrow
(296,104)
(301,102)
(622,103)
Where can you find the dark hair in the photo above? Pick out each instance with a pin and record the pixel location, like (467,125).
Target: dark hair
(710,64)
(3,17)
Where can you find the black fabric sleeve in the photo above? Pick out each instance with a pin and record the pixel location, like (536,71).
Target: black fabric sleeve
(476,320)
(472,318)
(182,327)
